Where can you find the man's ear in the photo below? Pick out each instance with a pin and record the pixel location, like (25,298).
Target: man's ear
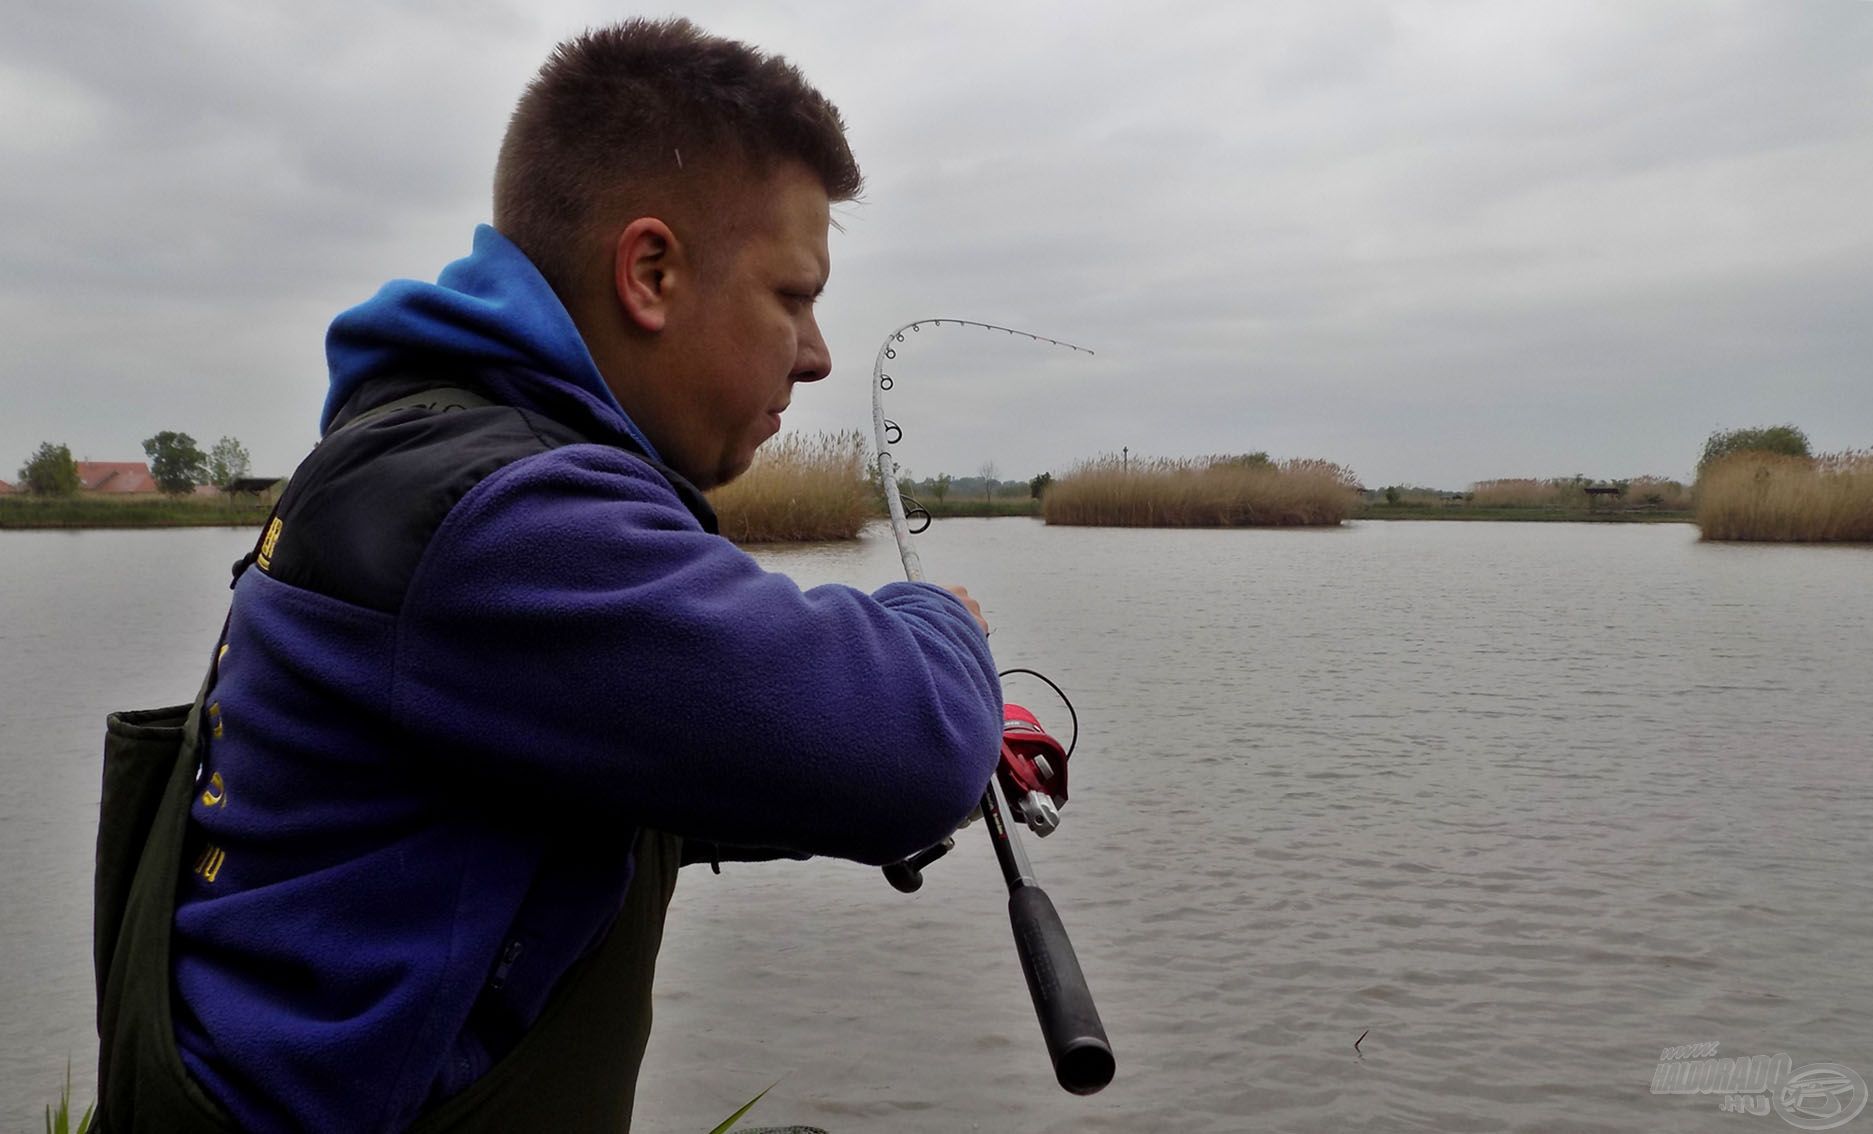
(644,267)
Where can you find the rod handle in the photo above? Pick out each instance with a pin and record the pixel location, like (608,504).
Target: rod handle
(1076,1040)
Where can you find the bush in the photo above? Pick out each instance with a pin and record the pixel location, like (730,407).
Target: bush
(1659,493)
(227,462)
(1783,439)
(50,471)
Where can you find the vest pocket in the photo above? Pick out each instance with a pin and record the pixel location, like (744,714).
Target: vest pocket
(141,747)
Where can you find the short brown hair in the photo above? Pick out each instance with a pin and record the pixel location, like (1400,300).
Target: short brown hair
(625,118)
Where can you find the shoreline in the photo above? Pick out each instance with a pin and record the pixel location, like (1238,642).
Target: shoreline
(25,513)
(1519,515)
(132,526)
(125,523)
(115,515)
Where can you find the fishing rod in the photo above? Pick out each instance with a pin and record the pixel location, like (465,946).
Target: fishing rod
(1033,772)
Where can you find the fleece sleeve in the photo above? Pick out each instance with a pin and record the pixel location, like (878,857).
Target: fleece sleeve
(574,637)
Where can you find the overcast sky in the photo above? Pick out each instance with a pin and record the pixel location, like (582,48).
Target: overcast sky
(1435,242)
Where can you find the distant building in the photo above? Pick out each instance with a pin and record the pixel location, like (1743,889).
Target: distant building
(115,477)
(5,488)
(263,490)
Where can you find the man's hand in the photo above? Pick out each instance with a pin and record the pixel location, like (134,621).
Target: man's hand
(975,608)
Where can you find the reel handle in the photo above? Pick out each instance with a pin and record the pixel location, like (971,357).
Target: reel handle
(906,877)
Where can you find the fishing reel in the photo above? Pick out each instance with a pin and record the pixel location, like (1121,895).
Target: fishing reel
(1033,771)
(1033,776)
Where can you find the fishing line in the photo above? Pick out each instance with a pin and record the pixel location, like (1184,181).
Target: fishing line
(1064,700)
(889,433)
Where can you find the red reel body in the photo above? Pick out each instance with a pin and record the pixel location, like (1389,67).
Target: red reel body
(1033,770)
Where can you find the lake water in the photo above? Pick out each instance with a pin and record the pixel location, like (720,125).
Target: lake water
(1525,803)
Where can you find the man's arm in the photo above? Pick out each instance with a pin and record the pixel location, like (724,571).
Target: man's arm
(573,636)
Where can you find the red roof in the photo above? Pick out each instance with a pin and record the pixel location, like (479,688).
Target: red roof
(5,488)
(115,476)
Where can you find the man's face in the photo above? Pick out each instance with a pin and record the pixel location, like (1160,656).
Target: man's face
(744,333)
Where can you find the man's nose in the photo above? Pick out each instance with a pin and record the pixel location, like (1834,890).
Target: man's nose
(814,359)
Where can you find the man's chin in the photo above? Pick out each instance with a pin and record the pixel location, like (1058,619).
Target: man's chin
(724,475)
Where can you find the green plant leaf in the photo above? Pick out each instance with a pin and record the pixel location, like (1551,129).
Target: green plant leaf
(732,1119)
(60,1121)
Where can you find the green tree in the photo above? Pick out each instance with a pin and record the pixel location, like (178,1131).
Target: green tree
(940,487)
(1391,494)
(175,461)
(50,471)
(1784,439)
(227,462)
(1039,485)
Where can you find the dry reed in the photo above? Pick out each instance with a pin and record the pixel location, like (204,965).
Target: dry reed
(1658,492)
(1527,492)
(1653,492)
(1766,496)
(800,488)
(1211,492)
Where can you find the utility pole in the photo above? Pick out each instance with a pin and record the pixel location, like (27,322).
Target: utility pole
(1125,455)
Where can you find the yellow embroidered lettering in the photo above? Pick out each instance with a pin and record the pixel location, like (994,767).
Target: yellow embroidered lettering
(208,863)
(217,793)
(265,556)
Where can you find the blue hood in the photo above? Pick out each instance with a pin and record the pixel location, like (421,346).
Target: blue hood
(489,319)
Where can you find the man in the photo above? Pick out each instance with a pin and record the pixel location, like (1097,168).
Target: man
(490,664)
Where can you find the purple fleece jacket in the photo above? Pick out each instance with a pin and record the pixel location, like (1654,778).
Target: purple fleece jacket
(391,799)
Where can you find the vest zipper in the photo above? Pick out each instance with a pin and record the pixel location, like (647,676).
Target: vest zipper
(508,956)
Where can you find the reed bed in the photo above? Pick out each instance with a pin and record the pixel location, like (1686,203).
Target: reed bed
(1205,492)
(1658,492)
(1525,492)
(1654,492)
(800,488)
(1766,496)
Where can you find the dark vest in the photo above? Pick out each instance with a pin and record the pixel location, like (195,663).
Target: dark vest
(576,1068)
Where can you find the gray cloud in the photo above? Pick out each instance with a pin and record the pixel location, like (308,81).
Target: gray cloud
(1435,241)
